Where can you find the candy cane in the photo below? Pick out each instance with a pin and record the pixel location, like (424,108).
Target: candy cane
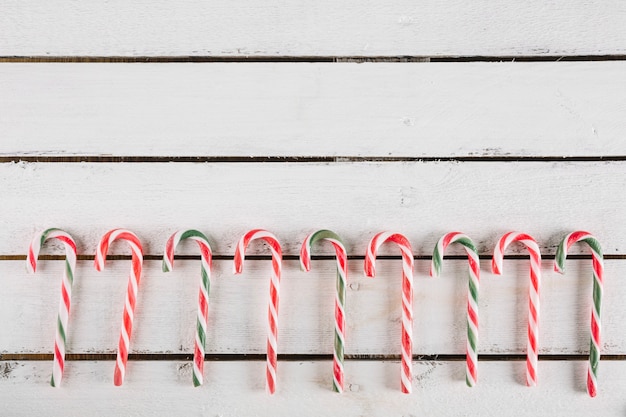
(533,294)
(598,272)
(472,296)
(272,315)
(131,293)
(407,297)
(203,295)
(340,296)
(66,293)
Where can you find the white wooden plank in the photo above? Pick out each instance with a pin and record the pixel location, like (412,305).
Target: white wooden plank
(357,200)
(236,389)
(322,28)
(165,316)
(405,110)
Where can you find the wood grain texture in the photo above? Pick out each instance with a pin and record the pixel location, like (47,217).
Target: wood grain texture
(356,200)
(236,389)
(165,315)
(370,110)
(322,28)
(218,111)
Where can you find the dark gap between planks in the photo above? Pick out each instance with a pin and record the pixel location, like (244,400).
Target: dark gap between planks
(302,159)
(306,59)
(294,257)
(291,357)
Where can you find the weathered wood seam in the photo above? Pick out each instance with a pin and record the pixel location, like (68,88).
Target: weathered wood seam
(310,59)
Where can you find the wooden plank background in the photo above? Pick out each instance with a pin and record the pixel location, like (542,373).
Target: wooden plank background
(314,110)
(162,388)
(421,200)
(322,28)
(226,117)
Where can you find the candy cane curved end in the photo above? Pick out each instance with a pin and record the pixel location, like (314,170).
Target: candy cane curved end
(498,253)
(40,238)
(110,237)
(369,266)
(406,375)
(176,238)
(340,295)
(598,288)
(272,330)
(472,295)
(506,240)
(445,241)
(203,293)
(131,293)
(569,240)
(62,328)
(533,294)
(322,234)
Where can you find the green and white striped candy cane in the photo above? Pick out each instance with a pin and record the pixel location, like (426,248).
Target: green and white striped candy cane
(340,295)
(66,292)
(203,295)
(472,296)
(598,287)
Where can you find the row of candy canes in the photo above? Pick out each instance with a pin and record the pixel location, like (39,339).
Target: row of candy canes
(305,258)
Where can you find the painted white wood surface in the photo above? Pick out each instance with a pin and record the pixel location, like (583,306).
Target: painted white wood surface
(319,110)
(165,315)
(356,200)
(236,389)
(322,28)
(410,110)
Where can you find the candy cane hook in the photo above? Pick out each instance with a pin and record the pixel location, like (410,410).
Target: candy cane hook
(203,294)
(533,294)
(66,293)
(598,272)
(272,315)
(407,297)
(340,296)
(131,293)
(472,296)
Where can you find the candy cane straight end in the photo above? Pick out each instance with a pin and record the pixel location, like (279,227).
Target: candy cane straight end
(118,378)
(591,384)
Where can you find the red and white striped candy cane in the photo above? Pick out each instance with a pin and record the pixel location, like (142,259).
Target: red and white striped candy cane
(407,297)
(533,294)
(66,293)
(131,293)
(203,294)
(272,331)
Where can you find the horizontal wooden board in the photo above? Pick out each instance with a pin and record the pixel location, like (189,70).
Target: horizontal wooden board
(165,316)
(236,389)
(322,28)
(423,200)
(381,110)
